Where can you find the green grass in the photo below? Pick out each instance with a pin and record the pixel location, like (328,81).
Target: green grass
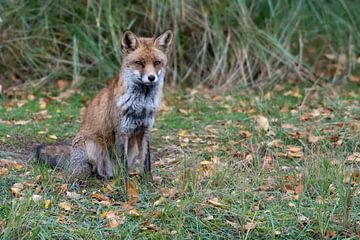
(203,128)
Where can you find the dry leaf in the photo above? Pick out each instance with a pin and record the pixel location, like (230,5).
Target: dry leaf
(73,195)
(108,215)
(215,202)
(314,139)
(36,198)
(133,192)
(134,213)
(63,187)
(10,164)
(233,224)
(299,189)
(100,197)
(66,206)
(21,122)
(245,134)
(53,136)
(3,171)
(354,157)
(268,162)
(263,122)
(250,226)
(16,191)
(47,203)
(330,234)
(159,201)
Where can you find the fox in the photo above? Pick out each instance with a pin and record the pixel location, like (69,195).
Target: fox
(120,117)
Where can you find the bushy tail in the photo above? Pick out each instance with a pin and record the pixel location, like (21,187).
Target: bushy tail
(74,161)
(57,156)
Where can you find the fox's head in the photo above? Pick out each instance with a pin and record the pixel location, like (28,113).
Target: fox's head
(145,59)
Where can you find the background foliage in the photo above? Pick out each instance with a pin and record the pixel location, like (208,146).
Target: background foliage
(219,43)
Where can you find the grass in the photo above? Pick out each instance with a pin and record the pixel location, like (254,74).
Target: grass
(209,156)
(217,43)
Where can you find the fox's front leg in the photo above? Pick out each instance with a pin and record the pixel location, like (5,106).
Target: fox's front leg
(145,159)
(122,143)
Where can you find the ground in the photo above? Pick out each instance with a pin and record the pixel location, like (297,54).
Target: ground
(279,163)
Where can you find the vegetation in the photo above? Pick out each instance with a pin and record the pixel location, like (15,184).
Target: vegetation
(258,137)
(218,43)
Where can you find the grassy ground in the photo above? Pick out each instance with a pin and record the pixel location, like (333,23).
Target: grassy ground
(221,172)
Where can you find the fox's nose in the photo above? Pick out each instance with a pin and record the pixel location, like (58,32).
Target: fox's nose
(151,78)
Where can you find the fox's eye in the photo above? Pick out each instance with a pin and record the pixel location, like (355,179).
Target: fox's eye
(157,63)
(140,63)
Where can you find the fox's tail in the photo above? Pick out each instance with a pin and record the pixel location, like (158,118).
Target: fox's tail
(64,157)
(57,156)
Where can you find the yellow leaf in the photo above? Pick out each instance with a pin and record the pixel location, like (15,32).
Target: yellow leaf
(134,213)
(47,203)
(65,205)
(183,133)
(42,132)
(53,136)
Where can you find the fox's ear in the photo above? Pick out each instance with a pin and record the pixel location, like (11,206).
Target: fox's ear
(163,42)
(129,42)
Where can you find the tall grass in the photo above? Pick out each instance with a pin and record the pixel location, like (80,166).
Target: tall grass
(218,43)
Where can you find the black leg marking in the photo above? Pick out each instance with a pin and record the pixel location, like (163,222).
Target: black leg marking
(147,162)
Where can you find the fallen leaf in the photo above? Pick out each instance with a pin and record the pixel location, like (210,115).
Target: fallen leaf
(21,122)
(249,226)
(134,213)
(36,198)
(10,164)
(66,206)
(73,195)
(53,136)
(233,224)
(19,185)
(303,220)
(3,171)
(215,202)
(108,215)
(133,192)
(263,122)
(61,84)
(354,79)
(16,191)
(47,203)
(299,189)
(245,134)
(354,157)
(268,162)
(159,201)
(314,139)
(330,234)
(100,197)
(63,187)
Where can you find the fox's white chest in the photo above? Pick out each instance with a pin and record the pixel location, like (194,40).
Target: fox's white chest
(137,111)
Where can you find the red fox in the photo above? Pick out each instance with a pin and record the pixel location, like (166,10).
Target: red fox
(120,116)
